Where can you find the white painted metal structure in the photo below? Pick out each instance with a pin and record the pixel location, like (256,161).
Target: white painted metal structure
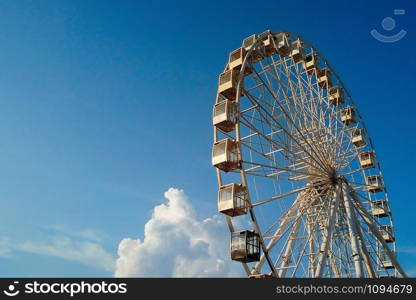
(290,136)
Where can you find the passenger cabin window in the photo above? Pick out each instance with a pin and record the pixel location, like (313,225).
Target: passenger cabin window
(220,109)
(225,77)
(226,194)
(219,149)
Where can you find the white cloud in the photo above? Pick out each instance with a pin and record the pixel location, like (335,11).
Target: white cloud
(5,250)
(85,252)
(407,249)
(62,242)
(88,234)
(411,273)
(177,244)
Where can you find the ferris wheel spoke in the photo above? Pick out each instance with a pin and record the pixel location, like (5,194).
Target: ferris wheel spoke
(276,125)
(345,159)
(272,141)
(280,196)
(275,143)
(301,251)
(288,211)
(265,167)
(277,236)
(307,116)
(308,108)
(311,238)
(364,251)
(288,247)
(345,156)
(344,246)
(317,235)
(315,158)
(285,226)
(357,243)
(356,195)
(373,228)
(356,254)
(308,132)
(333,263)
(298,100)
(279,232)
(251,145)
(310,224)
(328,113)
(370,247)
(323,251)
(359,185)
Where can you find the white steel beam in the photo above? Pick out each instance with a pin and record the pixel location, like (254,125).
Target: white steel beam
(373,228)
(326,241)
(356,254)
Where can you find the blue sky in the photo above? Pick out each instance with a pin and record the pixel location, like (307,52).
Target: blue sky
(106,104)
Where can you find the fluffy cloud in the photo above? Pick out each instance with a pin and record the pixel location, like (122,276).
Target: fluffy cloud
(177,244)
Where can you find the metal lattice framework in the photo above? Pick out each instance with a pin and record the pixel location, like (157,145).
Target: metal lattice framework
(295,162)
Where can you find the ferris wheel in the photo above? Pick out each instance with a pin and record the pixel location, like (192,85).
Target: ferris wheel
(299,180)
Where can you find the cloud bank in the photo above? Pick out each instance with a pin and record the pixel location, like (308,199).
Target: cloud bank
(177,244)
